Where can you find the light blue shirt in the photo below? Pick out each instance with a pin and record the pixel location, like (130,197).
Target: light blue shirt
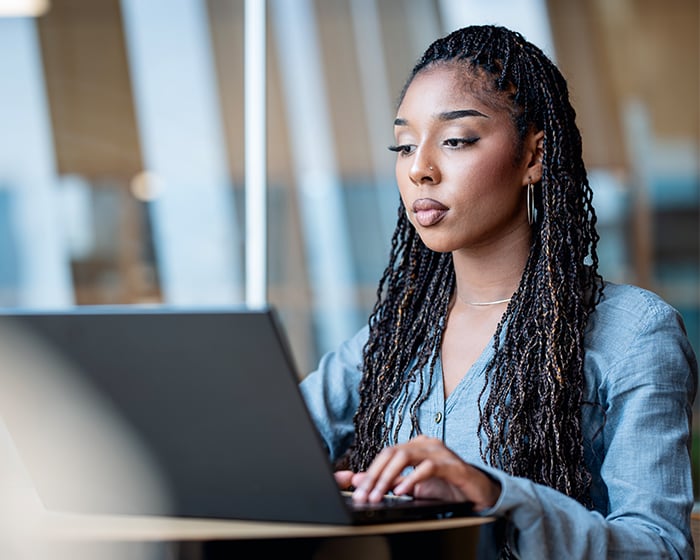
(641,373)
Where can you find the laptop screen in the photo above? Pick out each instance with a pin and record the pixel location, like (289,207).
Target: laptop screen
(163,411)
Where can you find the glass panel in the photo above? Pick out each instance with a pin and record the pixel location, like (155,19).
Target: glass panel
(122,148)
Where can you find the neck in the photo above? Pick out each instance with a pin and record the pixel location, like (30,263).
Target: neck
(489,278)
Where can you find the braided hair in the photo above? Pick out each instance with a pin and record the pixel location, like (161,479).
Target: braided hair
(530,404)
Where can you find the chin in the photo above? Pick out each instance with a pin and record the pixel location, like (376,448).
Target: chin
(437,245)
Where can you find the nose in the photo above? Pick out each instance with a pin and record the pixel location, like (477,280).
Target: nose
(423,169)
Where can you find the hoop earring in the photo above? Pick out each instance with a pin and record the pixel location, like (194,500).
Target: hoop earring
(530,204)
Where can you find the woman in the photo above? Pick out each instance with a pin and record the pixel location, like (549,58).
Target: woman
(497,366)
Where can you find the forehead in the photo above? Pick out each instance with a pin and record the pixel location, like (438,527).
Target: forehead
(453,85)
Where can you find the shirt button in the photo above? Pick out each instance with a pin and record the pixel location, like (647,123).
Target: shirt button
(438,417)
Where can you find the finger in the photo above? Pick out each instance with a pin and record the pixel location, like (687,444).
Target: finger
(384,473)
(343,479)
(427,470)
(365,484)
(358,478)
(419,451)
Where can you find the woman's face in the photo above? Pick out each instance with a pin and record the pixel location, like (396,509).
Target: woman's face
(461,171)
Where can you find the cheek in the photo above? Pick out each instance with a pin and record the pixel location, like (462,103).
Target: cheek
(404,187)
(495,175)
(405,203)
(403,183)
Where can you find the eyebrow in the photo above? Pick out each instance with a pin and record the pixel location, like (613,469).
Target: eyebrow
(452,115)
(448,116)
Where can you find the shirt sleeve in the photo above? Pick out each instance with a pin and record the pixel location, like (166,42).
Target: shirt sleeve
(647,394)
(331,393)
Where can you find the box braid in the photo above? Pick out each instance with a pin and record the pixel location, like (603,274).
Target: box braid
(530,405)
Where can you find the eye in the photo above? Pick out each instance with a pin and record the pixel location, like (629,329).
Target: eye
(460,142)
(403,149)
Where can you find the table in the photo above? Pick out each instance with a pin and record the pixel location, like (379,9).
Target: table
(60,536)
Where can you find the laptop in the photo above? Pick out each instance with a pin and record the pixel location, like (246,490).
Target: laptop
(172,412)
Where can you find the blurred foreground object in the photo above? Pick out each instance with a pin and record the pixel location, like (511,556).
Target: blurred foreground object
(60,440)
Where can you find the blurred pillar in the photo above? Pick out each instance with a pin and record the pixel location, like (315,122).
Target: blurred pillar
(196,236)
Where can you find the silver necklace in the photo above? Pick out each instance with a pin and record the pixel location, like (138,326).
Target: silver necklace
(507,300)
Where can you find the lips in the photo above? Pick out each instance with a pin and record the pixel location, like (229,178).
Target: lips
(428,212)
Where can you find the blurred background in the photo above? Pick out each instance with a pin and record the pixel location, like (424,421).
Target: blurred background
(123,147)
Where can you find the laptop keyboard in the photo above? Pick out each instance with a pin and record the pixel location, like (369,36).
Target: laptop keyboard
(388,501)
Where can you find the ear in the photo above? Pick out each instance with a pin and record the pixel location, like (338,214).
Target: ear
(533,157)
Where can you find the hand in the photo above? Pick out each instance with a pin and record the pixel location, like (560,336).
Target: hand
(438,473)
